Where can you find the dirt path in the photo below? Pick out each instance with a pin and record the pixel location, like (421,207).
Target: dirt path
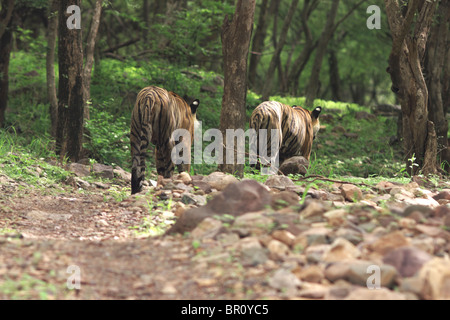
(95,237)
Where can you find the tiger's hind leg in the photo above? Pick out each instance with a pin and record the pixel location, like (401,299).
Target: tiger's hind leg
(164,163)
(138,161)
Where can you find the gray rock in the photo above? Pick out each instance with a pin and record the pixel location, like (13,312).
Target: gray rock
(79,169)
(253,256)
(122,174)
(189,198)
(279,182)
(295,165)
(202,185)
(103,170)
(407,260)
(379,294)
(358,272)
(284,199)
(219,180)
(207,229)
(255,222)
(237,199)
(284,280)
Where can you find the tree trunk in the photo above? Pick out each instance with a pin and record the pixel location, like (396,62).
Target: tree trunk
(435,62)
(236,36)
(52,32)
(408,81)
(5,51)
(5,14)
(90,49)
(309,46)
(70,92)
(258,42)
(334,75)
(327,33)
(279,46)
(146,19)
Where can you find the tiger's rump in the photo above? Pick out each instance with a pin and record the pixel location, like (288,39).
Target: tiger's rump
(296,126)
(156,115)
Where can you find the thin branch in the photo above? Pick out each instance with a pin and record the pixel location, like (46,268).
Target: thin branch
(121,45)
(347,15)
(404,25)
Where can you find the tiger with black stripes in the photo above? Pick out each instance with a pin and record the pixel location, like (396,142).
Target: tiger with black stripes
(296,129)
(157,113)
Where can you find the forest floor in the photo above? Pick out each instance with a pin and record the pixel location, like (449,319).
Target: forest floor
(51,236)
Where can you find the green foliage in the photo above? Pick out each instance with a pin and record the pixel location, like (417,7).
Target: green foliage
(27,287)
(348,146)
(108,137)
(25,162)
(186,36)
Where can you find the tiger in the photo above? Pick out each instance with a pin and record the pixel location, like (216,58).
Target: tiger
(156,114)
(296,128)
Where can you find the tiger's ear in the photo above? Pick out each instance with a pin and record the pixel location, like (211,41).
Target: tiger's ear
(316,112)
(194,106)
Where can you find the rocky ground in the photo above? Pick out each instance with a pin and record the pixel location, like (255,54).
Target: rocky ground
(214,237)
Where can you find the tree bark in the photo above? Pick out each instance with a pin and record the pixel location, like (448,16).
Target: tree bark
(309,46)
(70,92)
(435,62)
(408,82)
(325,37)
(146,19)
(5,52)
(334,75)
(90,49)
(52,32)
(279,47)
(236,36)
(6,14)
(258,42)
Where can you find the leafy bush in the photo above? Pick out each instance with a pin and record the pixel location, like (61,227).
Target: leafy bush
(108,138)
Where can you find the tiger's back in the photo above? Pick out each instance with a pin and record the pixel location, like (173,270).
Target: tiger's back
(296,127)
(157,113)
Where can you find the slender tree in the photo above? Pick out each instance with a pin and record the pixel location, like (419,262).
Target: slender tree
(236,36)
(52,32)
(409,40)
(5,51)
(326,36)
(258,41)
(70,91)
(309,46)
(279,47)
(435,61)
(90,49)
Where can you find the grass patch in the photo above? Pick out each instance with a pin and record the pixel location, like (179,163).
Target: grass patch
(345,146)
(27,287)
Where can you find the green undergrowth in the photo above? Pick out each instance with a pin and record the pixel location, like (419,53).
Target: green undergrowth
(345,145)
(29,161)
(27,287)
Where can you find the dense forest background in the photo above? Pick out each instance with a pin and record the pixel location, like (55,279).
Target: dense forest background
(306,53)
